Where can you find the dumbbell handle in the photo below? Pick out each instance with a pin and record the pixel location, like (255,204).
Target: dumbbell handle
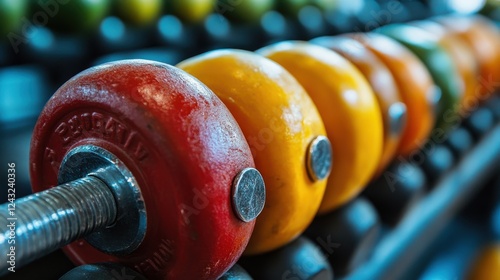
(104,205)
(43,222)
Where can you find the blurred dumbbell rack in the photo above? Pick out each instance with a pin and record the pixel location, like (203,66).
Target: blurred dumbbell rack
(436,239)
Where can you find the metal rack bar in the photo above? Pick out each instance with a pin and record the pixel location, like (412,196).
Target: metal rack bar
(404,244)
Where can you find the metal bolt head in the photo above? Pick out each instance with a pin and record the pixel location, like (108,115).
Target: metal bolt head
(319,158)
(435,98)
(249,194)
(397,118)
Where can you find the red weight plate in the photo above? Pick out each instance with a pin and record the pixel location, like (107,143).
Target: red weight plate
(183,147)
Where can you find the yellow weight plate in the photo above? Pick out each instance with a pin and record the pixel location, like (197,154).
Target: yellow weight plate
(280,122)
(349,110)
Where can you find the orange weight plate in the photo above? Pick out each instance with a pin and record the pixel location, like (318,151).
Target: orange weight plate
(383,85)
(415,85)
(483,38)
(462,56)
